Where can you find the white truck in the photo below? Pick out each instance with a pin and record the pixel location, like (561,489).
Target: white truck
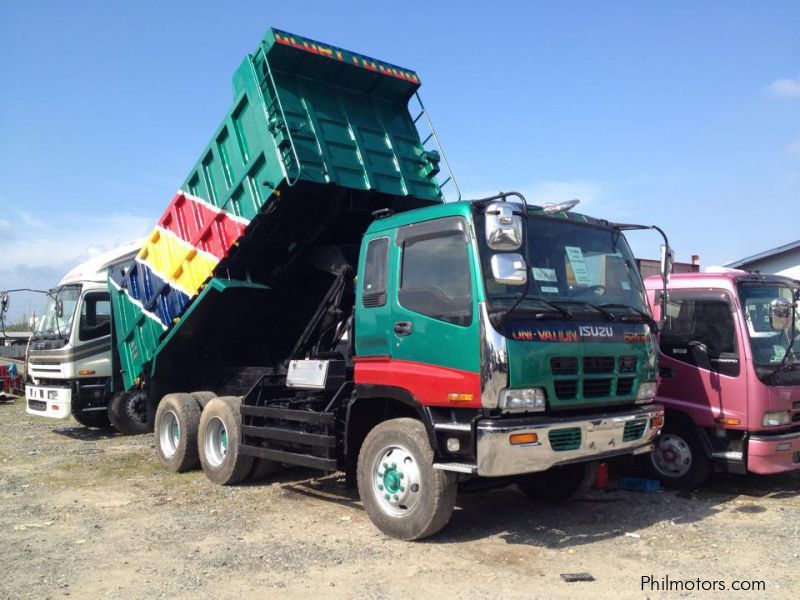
(69,354)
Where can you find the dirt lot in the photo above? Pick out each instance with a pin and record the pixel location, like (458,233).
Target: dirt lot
(90,515)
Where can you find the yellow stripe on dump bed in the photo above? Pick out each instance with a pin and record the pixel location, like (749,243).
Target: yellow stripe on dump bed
(176,261)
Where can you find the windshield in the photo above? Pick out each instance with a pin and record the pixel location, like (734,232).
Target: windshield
(573,267)
(768,346)
(59,310)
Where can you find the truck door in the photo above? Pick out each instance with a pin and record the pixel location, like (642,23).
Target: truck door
(435,331)
(93,343)
(700,367)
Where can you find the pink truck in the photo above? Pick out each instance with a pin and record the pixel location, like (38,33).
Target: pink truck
(729,369)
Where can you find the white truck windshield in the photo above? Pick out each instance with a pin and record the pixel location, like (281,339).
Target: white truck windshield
(59,310)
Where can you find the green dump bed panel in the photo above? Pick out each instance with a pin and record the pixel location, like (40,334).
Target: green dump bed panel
(305,115)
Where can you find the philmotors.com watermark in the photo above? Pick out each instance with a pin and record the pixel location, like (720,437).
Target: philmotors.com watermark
(651,583)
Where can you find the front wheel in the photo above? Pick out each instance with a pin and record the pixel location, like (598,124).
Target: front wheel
(678,457)
(404,496)
(128,412)
(559,484)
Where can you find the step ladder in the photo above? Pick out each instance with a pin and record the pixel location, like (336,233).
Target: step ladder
(279,426)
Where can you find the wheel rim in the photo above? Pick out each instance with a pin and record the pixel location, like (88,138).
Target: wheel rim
(169,434)
(216,442)
(396,481)
(672,456)
(136,407)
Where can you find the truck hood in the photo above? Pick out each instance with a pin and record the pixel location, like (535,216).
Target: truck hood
(581,364)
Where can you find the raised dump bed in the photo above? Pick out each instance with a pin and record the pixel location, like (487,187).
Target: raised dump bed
(316,139)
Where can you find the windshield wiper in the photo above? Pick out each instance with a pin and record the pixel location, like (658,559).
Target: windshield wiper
(608,315)
(645,317)
(562,311)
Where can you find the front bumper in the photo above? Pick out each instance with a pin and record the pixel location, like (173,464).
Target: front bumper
(48,401)
(770,454)
(601,436)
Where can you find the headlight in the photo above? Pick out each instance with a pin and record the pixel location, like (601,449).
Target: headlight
(532,399)
(773,419)
(52,394)
(647,392)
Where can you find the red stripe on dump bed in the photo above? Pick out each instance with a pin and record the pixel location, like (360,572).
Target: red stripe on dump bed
(429,384)
(204,227)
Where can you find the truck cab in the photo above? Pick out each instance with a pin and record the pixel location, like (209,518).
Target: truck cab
(69,353)
(728,377)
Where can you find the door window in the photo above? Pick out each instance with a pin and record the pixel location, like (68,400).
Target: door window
(95,316)
(700,330)
(374,291)
(435,277)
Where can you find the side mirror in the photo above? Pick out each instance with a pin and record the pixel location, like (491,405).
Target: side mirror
(780,314)
(503,227)
(698,346)
(59,308)
(509,269)
(4,303)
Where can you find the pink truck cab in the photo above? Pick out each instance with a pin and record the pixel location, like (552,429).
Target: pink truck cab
(728,377)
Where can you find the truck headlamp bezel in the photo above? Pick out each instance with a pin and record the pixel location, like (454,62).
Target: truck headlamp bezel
(647,392)
(776,418)
(523,400)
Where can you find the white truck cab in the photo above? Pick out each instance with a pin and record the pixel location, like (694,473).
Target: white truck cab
(69,353)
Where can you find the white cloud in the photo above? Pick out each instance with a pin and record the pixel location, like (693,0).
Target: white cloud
(785,88)
(67,240)
(37,250)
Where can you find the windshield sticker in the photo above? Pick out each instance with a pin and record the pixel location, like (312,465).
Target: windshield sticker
(549,289)
(625,285)
(540,274)
(578,263)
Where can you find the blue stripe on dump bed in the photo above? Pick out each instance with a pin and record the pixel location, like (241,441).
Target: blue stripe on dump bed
(154,293)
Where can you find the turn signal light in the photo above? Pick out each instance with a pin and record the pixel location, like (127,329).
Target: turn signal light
(459,397)
(728,421)
(516,439)
(656,422)
(87,372)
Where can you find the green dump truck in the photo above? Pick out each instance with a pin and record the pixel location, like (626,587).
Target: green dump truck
(310,298)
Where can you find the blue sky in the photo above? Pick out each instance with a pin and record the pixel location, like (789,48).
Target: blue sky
(682,114)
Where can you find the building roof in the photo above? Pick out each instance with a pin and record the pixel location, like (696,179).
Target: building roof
(766,254)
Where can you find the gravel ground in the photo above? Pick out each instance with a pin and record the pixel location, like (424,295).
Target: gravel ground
(92,515)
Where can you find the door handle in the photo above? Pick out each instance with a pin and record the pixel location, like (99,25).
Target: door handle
(402,328)
(666,371)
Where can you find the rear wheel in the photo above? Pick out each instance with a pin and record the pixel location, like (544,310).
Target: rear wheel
(559,484)
(404,496)
(678,457)
(128,412)
(220,442)
(177,419)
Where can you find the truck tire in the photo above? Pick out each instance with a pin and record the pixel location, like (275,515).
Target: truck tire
(404,496)
(203,398)
(559,484)
(128,412)
(219,441)
(94,419)
(678,458)
(176,426)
